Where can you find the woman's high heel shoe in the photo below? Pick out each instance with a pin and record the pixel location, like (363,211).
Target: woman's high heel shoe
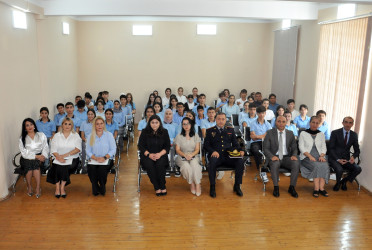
(63,195)
(39,194)
(57,195)
(30,193)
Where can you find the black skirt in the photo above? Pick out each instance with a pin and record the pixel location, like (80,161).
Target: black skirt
(28,165)
(59,173)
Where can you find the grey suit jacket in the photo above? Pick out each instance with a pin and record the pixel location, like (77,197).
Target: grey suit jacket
(271,143)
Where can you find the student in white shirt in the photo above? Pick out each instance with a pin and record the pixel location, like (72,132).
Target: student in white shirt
(180,96)
(165,99)
(269,113)
(243,98)
(291,108)
(65,148)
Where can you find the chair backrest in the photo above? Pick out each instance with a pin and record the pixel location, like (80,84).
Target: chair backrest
(235,120)
(215,103)
(247,133)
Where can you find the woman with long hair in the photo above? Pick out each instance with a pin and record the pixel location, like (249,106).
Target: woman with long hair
(65,148)
(154,145)
(279,111)
(150,101)
(34,150)
(131,104)
(149,111)
(101,147)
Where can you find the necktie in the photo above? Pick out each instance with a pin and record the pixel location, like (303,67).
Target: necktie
(345,140)
(280,146)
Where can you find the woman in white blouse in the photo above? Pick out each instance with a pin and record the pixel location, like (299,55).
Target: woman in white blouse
(65,148)
(34,150)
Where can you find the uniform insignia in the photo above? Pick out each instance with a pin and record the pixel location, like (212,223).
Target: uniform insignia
(213,134)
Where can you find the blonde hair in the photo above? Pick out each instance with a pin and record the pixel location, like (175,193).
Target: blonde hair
(72,124)
(93,134)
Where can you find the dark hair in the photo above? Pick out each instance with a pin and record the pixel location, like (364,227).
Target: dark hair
(257,93)
(304,106)
(290,101)
(194,88)
(147,108)
(271,95)
(159,101)
(252,105)
(47,110)
(321,112)
(161,106)
(260,109)
(243,91)
(287,112)
(221,94)
(24,132)
(172,95)
(102,102)
(168,89)
(210,108)
(192,113)
(149,101)
(251,97)
(265,99)
(180,103)
(131,99)
(200,107)
(190,96)
(202,95)
(221,113)
(348,117)
(100,98)
(192,128)
(78,96)
(277,109)
(313,117)
(109,110)
(81,104)
(60,105)
(123,96)
(149,131)
(105,92)
(156,92)
(93,111)
(170,101)
(88,95)
(180,88)
(68,104)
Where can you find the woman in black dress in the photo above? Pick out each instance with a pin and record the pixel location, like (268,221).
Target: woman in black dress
(154,144)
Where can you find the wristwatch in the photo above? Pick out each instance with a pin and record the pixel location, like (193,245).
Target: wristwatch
(105,157)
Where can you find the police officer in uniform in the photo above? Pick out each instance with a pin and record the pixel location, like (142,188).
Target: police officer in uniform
(219,140)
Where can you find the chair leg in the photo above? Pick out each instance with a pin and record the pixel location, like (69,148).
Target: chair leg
(358,184)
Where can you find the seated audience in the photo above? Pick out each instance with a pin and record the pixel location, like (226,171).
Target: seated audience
(258,131)
(341,157)
(231,108)
(313,149)
(111,125)
(34,150)
(200,115)
(180,114)
(291,108)
(250,99)
(156,93)
(218,142)
(101,147)
(124,105)
(288,125)
(119,116)
(195,95)
(154,145)
(130,102)
(149,111)
(150,101)
(243,98)
(279,111)
(227,94)
(173,104)
(188,148)
(280,149)
(85,130)
(108,104)
(180,96)
(302,121)
(88,101)
(81,113)
(269,113)
(69,107)
(65,148)
(324,126)
(258,99)
(77,99)
(191,116)
(209,122)
(45,125)
(247,118)
(100,109)
(273,104)
(159,100)
(166,98)
(159,110)
(60,115)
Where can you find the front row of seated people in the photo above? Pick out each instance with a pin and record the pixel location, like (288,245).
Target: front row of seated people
(65,148)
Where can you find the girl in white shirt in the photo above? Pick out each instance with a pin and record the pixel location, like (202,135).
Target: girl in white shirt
(34,150)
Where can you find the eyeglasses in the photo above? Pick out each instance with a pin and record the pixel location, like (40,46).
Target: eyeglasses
(185,124)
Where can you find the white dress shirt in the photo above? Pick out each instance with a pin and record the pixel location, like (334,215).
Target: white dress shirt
(165,101)
(269,115)
(62,145)
(34,146)
(182,99)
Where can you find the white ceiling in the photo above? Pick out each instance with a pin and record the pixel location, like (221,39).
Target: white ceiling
(243,10)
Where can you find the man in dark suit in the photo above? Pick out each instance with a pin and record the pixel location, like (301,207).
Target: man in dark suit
(218,141)
(280,149)
(339,153)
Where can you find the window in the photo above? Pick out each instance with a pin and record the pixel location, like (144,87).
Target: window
(65,28)
(142,30)
(19,19)
(342,70)
(345,11)
(206,29)
(286,23)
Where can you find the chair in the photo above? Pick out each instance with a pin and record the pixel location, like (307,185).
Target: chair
(129,130)
(17,167)
(235,122)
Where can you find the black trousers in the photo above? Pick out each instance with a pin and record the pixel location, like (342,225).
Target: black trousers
(255,147)
(98,177)
(156,170)
(353,170)
(227,161)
